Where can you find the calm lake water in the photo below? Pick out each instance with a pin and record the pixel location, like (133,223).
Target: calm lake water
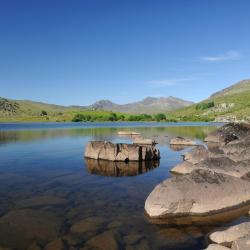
(49,191)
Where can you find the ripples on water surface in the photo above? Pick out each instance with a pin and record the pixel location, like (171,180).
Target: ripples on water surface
(48,191)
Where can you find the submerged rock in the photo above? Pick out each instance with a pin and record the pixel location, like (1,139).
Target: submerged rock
(121,151)
(107,240)
(233,233)
(27,225)
(182,141)
(202,192)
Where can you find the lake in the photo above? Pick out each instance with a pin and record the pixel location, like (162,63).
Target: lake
(50,193)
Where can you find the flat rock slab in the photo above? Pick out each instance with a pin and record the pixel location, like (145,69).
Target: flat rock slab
(233,233)
(182,141)
(200,193)
(242,243)
(196,155)
(103,150)
(216,247)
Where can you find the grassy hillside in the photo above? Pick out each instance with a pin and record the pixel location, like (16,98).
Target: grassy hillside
(230,104)
(29,111)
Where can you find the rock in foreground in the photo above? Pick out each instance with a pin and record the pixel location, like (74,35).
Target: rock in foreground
(200,193)
(233,233)
(121,152)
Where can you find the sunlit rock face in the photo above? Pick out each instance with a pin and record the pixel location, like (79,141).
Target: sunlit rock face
(202,192)
(117,169)
(182,141)
(103,150)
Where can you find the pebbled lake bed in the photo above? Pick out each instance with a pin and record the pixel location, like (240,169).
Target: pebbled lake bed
(49,194)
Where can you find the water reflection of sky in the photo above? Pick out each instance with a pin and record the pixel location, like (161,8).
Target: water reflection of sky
(49,162)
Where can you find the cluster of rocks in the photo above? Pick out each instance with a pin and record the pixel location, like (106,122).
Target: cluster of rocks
(103,150)
(213,179)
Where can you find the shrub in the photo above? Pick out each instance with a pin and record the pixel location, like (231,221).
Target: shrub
(204,105)
(160,117)
(43,113)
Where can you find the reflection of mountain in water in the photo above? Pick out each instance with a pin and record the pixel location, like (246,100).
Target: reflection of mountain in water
(116,169)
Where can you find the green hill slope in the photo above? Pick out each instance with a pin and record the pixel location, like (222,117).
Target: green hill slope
(229,104)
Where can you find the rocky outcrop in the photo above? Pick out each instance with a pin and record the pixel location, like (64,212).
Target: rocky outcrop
(202,192)
(231,234)
(182,141)
(222,165)
(121,152)
(228,133)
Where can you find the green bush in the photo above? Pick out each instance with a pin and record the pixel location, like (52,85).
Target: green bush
(204,105)
(160,117)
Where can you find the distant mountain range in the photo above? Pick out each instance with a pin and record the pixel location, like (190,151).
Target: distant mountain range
(149,105)
(229,104)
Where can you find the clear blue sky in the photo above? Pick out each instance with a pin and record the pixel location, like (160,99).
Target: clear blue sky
(79,51)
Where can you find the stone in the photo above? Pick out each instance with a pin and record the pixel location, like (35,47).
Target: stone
(196,155)
(228,133)
(57,244)
(216,247)
(88,224)
(182,141)
(241,243)
(143,141)
(39,201)
(27,225)
(184,167)
(132,238)
(121,151)
(202,192)
(233,233)
(128,133)
(107,240)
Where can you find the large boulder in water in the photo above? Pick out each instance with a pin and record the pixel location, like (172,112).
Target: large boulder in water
(121,151)
(200,193)
(228,133)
